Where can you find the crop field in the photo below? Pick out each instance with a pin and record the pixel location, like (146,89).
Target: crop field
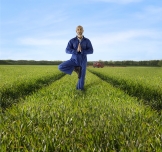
(144,83)
(18,81)
(119,110)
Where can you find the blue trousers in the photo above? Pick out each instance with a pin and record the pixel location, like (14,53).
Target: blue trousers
(68,67)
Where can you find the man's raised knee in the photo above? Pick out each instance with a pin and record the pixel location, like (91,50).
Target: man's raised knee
(60,67)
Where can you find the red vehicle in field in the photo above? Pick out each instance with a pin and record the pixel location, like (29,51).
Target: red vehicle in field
(98,64)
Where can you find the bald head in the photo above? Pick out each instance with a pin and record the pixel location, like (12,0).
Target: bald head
(79,26)
(79,31)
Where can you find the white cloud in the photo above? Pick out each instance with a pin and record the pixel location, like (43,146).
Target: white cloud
(150,13)
(154,10)
(118,1)
(113,38)
(128,45)
(37,53)
(41,42)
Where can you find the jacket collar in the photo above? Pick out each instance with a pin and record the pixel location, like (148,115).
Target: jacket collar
(81,39)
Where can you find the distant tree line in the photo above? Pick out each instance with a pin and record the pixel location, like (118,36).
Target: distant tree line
(130,63)
(106,63)
(29,62)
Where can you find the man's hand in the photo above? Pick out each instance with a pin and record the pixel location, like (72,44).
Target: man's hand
(79,49)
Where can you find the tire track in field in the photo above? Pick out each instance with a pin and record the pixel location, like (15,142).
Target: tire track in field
(10,97)
(155,103)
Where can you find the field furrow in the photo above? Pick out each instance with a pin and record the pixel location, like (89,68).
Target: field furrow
(19,81)
(60,118)
(143,83)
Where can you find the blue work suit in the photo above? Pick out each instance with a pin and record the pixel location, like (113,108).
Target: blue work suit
(77,58)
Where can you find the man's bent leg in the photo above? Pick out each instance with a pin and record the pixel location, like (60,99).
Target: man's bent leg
(67,66)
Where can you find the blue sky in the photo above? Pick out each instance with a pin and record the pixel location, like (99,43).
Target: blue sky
(118,29)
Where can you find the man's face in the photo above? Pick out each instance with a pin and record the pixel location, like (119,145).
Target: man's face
(79,31)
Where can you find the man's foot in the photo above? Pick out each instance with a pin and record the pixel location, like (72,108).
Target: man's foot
(80,89)
(78,71)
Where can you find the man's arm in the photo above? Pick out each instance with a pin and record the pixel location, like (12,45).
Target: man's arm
(70,49)
(89,49)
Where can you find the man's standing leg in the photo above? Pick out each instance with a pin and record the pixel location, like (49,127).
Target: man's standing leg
(78,69)
(80,84)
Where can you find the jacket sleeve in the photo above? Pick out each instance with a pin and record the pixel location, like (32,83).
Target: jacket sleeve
(89,48)
(70,49)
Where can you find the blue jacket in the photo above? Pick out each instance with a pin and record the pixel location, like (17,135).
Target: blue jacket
(86,48)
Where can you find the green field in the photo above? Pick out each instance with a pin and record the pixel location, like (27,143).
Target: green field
(119,110)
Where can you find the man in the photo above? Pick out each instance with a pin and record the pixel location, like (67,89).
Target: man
(79,47)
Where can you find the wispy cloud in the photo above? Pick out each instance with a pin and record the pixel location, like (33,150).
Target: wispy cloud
(115,37)
(132,44)
(150,13)
(34,21)
(41,42)
(154,10)
(118,1)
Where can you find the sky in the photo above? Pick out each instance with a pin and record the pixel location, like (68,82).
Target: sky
(118,29)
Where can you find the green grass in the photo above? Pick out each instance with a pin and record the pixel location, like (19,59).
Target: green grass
(19,81)
(143,83)
(60,118)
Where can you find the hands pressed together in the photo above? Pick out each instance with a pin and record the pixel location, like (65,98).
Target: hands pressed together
(79,49)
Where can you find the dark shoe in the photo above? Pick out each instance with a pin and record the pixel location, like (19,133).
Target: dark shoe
(78,71)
